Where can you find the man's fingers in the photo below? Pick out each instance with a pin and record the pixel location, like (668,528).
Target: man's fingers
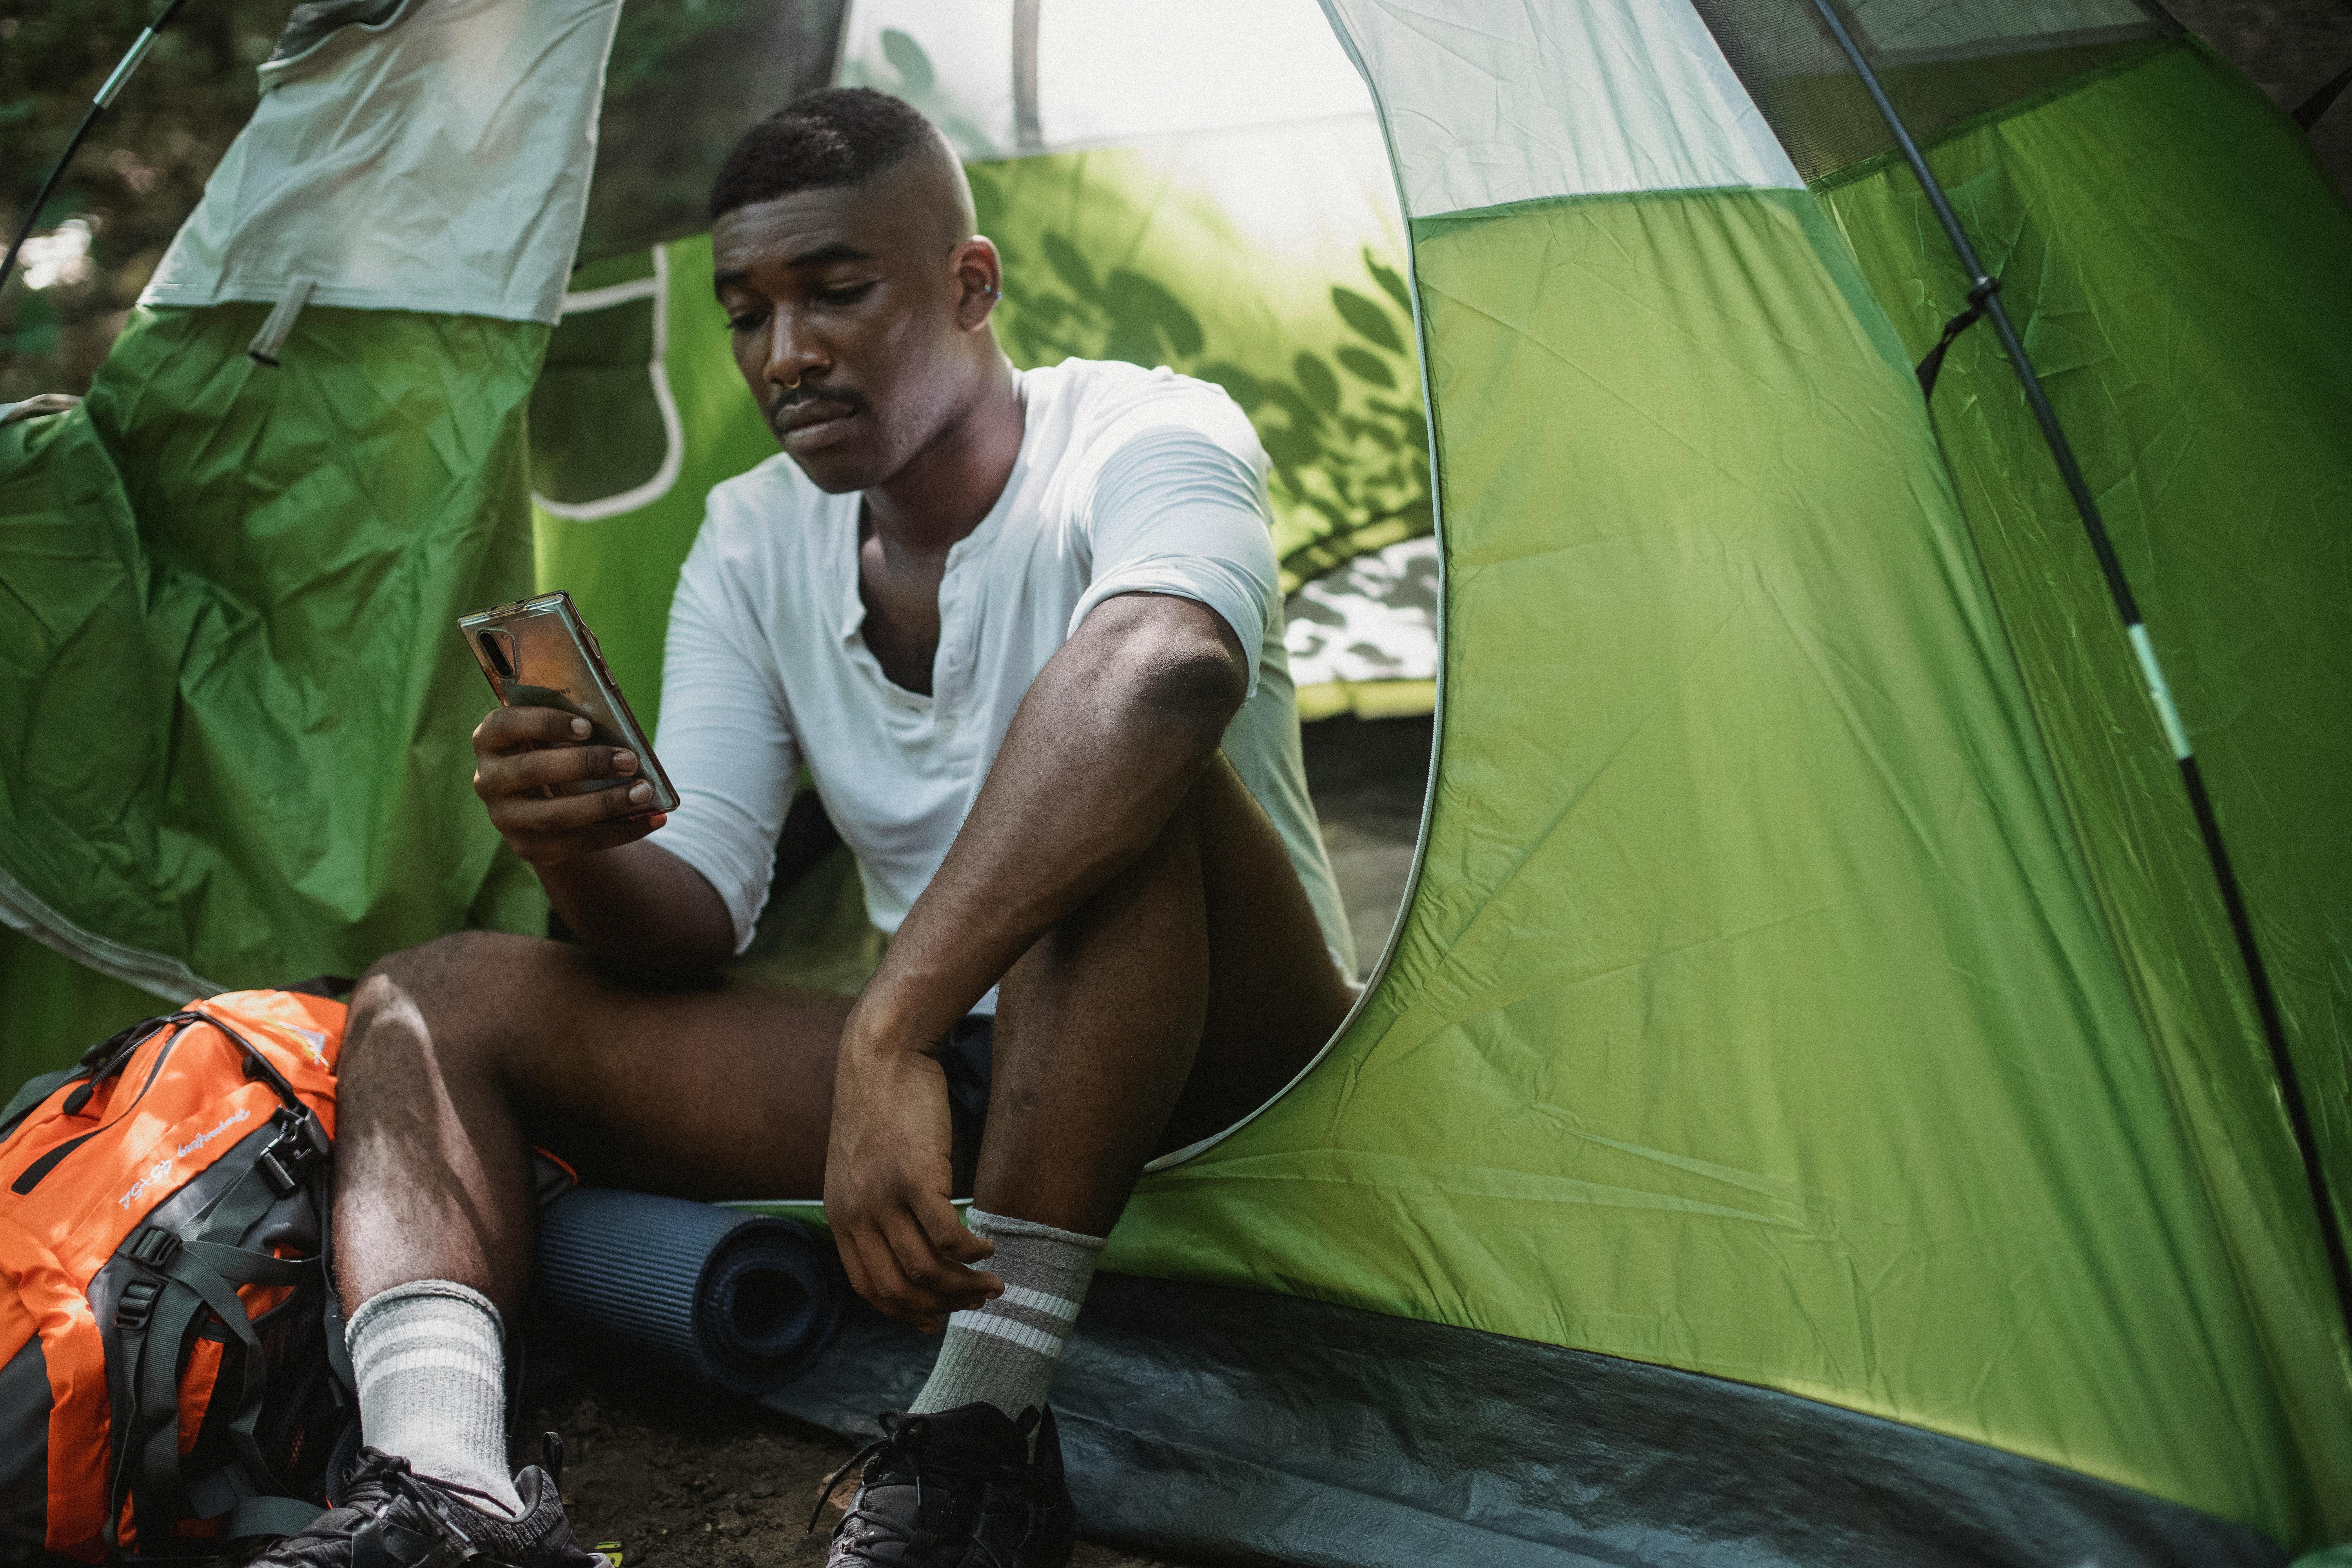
(521,770)
(887,1286)
(950,1236)
(852,1264)
(947,1285)
(880,1285)
(509,730)
(567,812)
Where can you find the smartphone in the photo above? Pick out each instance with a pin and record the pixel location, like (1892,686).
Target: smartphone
(539,653)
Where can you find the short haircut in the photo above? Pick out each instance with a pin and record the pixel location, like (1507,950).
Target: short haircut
(836,136)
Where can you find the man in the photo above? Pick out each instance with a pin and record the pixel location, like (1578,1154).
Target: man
(1023,630)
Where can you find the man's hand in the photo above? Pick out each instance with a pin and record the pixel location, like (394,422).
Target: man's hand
(887,1180)
(523,759)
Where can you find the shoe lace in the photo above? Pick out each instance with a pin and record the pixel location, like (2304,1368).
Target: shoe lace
(384,1478)
(899,1433)
(896,1432)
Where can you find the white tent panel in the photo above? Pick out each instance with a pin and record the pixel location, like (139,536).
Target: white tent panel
(1491,101)
(455,186)
(1105,71)
(1110,71)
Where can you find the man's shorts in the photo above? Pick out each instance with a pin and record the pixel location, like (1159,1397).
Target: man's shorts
(965,1056)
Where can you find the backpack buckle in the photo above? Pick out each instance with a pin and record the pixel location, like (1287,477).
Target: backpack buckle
(153,1245)
(138,1304)
(278,1169)
(300,1143)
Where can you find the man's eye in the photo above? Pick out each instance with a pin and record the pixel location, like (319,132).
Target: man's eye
(747,321)
(849,294)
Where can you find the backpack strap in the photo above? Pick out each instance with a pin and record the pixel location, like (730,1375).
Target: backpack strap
(156,1324)
(268,1516)
(227,1495)
(31,1095)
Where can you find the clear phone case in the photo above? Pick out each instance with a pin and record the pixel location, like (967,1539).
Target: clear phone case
(537,653)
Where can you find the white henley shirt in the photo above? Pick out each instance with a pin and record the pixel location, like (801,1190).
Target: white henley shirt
(1128,481)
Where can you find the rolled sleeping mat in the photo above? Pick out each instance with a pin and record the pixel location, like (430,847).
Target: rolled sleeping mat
(742,1301)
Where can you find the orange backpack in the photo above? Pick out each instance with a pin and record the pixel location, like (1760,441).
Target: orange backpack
(171,1364)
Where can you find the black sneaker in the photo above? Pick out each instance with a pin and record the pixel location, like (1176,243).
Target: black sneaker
(968,1488)
(390,1517)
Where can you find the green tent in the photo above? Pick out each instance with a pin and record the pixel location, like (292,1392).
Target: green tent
(1812,1109)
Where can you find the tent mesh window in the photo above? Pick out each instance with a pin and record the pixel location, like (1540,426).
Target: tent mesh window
(1943,62)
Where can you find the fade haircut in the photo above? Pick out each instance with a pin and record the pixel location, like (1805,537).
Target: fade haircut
(836,136)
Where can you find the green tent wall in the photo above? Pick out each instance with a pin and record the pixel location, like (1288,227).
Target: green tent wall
(1811,1110)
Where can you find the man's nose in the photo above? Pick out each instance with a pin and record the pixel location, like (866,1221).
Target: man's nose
(792,353)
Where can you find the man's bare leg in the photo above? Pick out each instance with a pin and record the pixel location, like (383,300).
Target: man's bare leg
(463,1053)
(1184,994)
(1178,999)
(459,1057)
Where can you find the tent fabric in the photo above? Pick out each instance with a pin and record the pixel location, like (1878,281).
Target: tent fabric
(237,748)
(453,182)
(1104,73)
(1942,65)
(1486,104)
(238,711)
(1764,955)
(1362,638)
(2251,621)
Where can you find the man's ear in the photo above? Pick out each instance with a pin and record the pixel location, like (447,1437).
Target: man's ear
(980,281)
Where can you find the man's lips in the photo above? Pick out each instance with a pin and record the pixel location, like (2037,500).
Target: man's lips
(799,416)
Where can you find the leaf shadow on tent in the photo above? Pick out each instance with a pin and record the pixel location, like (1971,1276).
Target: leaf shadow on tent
(1334,392)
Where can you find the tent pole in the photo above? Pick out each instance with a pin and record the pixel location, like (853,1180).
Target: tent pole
(99,101)
(1984,293)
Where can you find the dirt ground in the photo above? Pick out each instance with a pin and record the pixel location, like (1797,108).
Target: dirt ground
(684,1479)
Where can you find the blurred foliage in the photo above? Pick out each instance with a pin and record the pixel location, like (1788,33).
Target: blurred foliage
(135,179)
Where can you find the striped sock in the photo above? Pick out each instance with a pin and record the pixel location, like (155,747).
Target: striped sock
(431,1368)
(1004,1353)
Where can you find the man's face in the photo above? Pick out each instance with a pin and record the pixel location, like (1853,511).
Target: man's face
(860,295)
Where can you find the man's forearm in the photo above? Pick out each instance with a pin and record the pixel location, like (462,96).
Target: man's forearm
(641,907)
(1113,732)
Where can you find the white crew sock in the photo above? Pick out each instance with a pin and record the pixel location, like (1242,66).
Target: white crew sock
(1005,1352)
(430,1363)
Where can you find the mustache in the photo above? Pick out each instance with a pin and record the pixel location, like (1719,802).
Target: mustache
(801,397)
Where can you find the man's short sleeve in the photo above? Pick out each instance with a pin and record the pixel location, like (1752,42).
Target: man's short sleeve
(726,738)
(1181,509)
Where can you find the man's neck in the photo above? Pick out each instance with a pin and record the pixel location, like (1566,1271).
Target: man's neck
(950,487)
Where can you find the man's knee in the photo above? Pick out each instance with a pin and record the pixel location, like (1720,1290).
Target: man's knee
(428,998)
